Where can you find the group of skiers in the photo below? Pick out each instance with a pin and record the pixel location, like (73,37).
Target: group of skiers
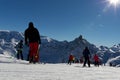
(85,58)
(33,41)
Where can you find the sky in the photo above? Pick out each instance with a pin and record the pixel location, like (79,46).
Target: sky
(96,20)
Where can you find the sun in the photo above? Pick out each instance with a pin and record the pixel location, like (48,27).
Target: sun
(111,4)
(114,3)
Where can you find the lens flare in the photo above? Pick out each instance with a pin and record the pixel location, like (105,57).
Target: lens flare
(114,3)
(111,4)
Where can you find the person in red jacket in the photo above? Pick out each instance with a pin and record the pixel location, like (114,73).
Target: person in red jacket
(71,58)
(96,60)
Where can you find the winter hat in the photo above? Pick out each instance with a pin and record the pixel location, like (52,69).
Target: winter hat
(31,25)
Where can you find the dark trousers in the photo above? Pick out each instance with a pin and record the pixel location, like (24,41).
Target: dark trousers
(19,54)
(87,60)
(70,61)
(96,63)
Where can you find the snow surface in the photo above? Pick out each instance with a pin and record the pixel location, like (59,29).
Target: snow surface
(12,69)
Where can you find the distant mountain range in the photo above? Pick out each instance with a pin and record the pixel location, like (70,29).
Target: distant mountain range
(54,51)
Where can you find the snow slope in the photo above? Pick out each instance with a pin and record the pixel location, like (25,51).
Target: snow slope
(21,70)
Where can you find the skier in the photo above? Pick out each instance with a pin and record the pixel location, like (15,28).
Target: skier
(19,48)
(71,57)
(96,60)
(32,38)
(86,55)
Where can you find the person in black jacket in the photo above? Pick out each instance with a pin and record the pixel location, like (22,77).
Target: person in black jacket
(19,48)
(86,55)
(32,38)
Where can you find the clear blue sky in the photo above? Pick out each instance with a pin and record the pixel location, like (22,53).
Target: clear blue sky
(98,22)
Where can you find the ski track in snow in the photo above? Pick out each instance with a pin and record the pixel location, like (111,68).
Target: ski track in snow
(25,71)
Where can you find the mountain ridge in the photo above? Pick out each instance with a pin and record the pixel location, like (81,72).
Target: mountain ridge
(54,51)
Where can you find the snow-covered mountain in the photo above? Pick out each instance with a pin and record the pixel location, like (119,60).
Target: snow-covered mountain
(57,51)
(110,55)
(8,39)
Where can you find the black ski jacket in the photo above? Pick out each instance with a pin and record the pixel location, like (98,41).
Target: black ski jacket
(86,52)
(32,35)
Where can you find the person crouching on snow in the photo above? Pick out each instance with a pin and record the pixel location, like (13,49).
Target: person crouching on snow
(96,60)
(71,59)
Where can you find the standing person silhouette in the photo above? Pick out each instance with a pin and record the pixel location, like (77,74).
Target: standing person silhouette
(19,48)
(32,38)
(86,55)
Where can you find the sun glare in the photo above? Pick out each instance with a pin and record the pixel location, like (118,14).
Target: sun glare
(114,2)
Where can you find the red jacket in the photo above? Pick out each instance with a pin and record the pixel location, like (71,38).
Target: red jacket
(71,57)
(96,58)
